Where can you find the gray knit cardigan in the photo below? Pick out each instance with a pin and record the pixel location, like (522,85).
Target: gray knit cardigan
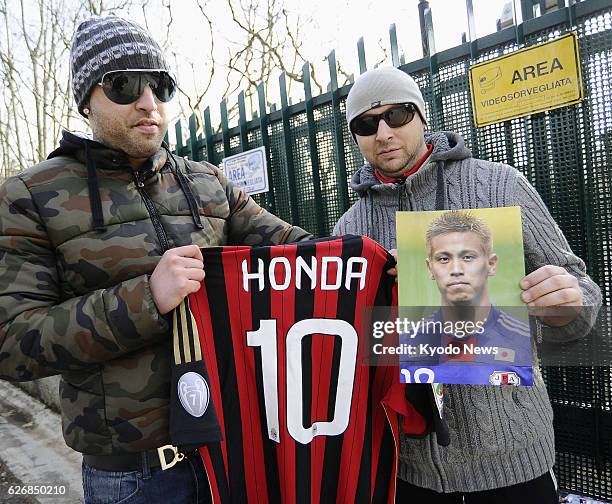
(500,436)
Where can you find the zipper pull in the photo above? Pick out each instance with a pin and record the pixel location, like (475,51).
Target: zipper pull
(139,182)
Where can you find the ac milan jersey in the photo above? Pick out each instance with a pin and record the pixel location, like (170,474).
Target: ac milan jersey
(281,380)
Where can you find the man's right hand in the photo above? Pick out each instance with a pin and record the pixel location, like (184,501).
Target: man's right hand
(178,273)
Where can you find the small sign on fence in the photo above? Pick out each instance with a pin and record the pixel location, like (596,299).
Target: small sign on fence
(248,170)
(535,79)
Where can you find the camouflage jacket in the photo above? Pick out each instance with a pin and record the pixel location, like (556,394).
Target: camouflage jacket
(80,234)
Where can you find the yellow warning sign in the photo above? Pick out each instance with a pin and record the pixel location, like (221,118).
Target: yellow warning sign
(538,78)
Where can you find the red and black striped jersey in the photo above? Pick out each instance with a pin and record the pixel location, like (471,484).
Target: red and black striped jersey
(283,384)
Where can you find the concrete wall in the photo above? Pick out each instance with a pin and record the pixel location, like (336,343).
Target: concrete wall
(45,389)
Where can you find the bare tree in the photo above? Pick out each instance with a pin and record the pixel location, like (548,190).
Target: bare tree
(264,38)
(201,80)
(270,40)
(35,37)
(37,100)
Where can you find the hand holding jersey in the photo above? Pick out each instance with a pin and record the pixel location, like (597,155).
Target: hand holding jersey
(178,274)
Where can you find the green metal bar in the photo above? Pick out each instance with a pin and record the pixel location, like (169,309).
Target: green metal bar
(437,109)
(193,138)
(471,22)
(270,196)
(314,155)
(437,119)
(508,138)
(509,142)
(571,14)
(423,8)
(585,179)
(600,432)
(208,132)
(178,130)
(361,55)
(473,58)
(474,141)
(341,175)
(539,164)
(242,123)
(394,49)
(540,158)
(293,199)
(519,32)
(585,173)
(527,9)
(224,129)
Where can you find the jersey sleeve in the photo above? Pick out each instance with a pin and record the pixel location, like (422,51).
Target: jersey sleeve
(249,224)
(193,419)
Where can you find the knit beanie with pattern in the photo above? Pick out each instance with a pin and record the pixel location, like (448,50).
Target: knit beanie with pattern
(105,44)
(382,86)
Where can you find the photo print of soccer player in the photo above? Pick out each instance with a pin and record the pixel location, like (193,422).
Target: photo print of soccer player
(468,338)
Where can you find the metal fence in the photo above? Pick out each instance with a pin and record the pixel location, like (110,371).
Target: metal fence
(565,153)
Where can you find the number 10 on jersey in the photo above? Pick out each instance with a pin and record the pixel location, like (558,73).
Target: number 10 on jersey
(266,338)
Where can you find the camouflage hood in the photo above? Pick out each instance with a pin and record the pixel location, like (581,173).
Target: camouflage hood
(80,234)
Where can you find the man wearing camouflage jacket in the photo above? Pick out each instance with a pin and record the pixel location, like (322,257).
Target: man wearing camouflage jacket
(98,244)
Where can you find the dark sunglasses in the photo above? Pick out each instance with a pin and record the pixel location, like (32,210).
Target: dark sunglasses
(126,86)
(366,125)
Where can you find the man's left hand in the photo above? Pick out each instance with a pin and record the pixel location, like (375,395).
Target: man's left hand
(550,286)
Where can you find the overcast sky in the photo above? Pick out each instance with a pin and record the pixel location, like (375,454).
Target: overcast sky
(326,25)
(341,23)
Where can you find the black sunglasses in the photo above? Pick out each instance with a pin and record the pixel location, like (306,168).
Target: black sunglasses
(366,125)
(126,86)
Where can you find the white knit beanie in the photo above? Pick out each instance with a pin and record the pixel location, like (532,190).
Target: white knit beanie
(382,86)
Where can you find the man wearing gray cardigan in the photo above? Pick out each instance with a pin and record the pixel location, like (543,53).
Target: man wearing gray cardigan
(501,437)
